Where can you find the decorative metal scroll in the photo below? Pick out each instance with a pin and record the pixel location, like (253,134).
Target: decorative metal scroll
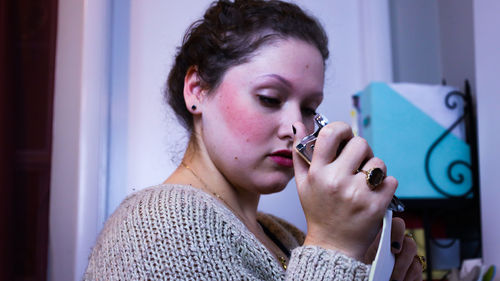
(459,178)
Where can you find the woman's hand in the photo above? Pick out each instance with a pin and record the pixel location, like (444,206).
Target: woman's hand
(404,248)
(341,210)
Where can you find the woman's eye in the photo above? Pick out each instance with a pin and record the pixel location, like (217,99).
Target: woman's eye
(269,102)
(310,112)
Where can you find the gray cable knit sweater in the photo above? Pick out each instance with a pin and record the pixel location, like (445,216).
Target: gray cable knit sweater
(177,232)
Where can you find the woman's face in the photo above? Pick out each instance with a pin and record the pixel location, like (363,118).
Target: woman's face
(247,120)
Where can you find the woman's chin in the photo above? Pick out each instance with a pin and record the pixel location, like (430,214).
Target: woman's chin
(273,188)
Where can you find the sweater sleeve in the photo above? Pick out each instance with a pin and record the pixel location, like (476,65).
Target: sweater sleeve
(316,263)
(312,262)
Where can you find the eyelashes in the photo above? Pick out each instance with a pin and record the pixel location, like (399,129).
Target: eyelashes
(275,103)
(269,101)
(309,111)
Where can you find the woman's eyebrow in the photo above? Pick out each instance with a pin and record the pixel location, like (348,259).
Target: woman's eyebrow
(280,78)
(288,84)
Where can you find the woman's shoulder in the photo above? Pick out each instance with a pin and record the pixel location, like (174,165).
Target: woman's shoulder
(159,230)
(167,204)
(160,194)
(163,193)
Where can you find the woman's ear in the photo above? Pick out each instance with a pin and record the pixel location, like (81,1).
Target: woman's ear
(193,90)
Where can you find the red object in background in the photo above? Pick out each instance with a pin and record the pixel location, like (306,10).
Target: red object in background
(27,58)
(414,220)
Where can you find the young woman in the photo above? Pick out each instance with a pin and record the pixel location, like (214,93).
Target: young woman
(246,83)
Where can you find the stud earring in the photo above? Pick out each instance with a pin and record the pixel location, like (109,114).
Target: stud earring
(193,107)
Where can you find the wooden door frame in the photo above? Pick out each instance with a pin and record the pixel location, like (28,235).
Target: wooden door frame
(6,153)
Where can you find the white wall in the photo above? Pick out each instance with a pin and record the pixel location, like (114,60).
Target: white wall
(78,173)
(416,41)
(487,57)
(360,52)
(456,30)
(432,41)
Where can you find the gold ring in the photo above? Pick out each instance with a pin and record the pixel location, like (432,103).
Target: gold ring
(374,177)
(409,235)
(422,261)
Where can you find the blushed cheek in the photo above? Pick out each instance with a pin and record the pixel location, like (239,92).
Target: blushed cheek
(243,120)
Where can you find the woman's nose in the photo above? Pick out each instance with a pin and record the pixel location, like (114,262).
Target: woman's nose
(287,119)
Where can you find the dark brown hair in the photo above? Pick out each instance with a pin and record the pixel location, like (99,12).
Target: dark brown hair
(228,35)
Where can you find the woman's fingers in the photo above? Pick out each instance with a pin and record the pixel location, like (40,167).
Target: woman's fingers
(331,140)
(355,154)
(397,235)
(414,273)
(331,193)
(407,267)
(405,260)
(383,192)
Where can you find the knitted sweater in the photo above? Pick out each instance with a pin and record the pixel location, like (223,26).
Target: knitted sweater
(177,232)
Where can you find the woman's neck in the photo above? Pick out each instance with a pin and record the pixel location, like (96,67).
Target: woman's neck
(198,170)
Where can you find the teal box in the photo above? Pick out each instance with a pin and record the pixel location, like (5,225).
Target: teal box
(402,135)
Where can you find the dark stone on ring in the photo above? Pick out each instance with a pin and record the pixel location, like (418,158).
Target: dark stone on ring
(374,177)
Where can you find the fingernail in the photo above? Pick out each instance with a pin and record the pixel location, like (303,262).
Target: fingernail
(396,245)
(294,130)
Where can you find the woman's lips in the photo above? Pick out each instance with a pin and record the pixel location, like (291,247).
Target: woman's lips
(282,158)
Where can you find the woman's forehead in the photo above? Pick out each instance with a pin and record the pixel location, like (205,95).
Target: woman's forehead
(288,61)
